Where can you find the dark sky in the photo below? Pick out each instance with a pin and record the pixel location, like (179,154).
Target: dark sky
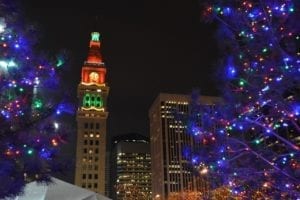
(149,46)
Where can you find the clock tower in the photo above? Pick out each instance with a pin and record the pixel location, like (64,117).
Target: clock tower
(91,120)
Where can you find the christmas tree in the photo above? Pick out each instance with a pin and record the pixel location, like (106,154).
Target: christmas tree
(251,144)
(31,107)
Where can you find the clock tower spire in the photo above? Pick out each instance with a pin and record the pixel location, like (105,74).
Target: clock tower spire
(91,120)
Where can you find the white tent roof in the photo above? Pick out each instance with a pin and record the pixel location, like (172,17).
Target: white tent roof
(58,190)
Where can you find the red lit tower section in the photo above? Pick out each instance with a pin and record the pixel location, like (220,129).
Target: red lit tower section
(91,120)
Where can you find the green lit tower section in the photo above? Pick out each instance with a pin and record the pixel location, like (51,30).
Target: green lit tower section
(91,121)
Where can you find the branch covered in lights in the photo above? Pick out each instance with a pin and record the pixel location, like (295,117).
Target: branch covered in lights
(253,140)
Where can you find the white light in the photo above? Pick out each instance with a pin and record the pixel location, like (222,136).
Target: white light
(56,125)
(204,171)
(5,64)
(2,25)
(98,90)
(36,80)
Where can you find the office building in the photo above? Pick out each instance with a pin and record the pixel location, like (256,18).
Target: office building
(131,165)
(171,171)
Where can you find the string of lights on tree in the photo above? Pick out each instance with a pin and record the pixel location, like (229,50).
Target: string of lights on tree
(31,106)
(251,143)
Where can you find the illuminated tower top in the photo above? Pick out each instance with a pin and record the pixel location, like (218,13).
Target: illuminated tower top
(94,71)
(94,56)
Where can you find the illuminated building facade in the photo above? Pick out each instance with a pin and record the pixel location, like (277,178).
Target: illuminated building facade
(91,121)
(171,172)
(131,167)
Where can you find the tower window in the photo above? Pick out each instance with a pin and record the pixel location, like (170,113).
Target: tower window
(86,100)
(99,102)
(97,125)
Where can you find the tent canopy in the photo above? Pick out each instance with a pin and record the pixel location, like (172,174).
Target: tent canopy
(58,190)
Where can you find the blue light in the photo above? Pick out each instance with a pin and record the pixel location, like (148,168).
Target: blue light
(227,11)
(58,112)
(231,72)
(45,154)
(265,88)
(297,110)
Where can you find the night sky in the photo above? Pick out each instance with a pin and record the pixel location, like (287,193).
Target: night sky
(149,46)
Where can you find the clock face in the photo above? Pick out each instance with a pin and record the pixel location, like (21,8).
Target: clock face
(94,77)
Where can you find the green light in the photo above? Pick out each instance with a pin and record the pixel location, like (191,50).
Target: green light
(90,100)
(60,62)
(21,89)
(99,102)
(291,9)
(30,152)
(37,104)
(264,50)
(218,9)
(257,141)
(276,126)
(95,36)
(86,100)
(242,83)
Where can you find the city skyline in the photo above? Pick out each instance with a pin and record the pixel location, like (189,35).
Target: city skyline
(145,52)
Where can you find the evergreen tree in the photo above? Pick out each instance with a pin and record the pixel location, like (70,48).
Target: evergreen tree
(31,107)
